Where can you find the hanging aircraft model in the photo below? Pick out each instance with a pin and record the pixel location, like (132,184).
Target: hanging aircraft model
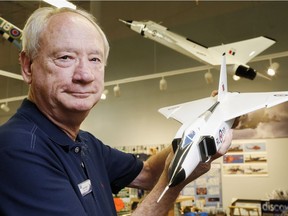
(205,122)
(11,33)
(238,53)
(14,35)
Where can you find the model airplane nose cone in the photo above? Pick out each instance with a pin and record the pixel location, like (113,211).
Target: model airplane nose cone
(126,22)
(178,178)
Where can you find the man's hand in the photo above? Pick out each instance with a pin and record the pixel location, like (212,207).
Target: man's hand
(204,167)
(214,93)
(149,206)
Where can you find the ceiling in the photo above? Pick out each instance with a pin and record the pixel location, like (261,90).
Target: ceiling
(208,22)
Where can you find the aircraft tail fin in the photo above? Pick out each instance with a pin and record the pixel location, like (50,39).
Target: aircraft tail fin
(222,89)
(241,51)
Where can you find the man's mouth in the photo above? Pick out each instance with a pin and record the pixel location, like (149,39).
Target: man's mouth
(81,94)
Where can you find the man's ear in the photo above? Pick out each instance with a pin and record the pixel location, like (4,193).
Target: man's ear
(26,71)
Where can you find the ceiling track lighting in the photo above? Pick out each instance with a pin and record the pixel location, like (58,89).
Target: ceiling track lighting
(116,90)
(104,94)
(163,84)
(61,3)
(272,68)
(236,78)
(208,77)
(269,57)
(5,107)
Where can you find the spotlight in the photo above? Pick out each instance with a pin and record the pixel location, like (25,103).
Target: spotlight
(208,77)
(116,90)
(61,3)
(5,107)
(163,84)
(273,68)
(236,78)
(104,94)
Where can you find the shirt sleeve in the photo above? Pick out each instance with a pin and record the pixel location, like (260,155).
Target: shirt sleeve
(125,170)
(122,168)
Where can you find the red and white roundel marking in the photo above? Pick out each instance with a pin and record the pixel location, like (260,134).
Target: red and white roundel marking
(15,32)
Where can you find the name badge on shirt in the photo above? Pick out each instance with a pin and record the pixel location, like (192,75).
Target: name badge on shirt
(85,187)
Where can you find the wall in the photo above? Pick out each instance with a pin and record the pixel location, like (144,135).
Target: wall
(244,187)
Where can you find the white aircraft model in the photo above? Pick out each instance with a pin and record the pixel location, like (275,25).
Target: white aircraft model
(205,122)
(238,53)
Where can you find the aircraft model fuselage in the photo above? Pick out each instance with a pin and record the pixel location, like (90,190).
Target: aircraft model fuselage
(198,142)
(238,53)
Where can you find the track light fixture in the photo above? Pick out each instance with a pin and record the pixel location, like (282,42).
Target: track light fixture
(116,90)
(61,3)
(163,84)
(155,75)
(236,78)
(273,68)
(208,77)
(104,94)
(5,107)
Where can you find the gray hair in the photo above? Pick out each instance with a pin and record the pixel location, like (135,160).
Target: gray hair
(37,22)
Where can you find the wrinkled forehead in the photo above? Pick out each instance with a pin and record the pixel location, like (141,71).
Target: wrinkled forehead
(66,20)
(69,22)
(68,26)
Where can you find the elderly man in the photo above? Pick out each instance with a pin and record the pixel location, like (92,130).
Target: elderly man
(51,167)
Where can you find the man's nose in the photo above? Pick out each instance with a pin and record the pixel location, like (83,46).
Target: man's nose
(83,72)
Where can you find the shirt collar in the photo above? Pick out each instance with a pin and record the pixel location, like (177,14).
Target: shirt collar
(29,110)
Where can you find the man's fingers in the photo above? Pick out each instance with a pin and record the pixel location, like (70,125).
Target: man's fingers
(214,93)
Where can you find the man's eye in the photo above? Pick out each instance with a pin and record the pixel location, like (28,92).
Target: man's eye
(64,60)
(65,57)
(96,59)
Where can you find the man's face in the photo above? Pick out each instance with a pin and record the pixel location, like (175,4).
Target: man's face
(68,72)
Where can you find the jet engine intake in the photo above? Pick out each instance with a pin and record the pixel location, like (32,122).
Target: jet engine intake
(207,147)
(243,71)
(175,144)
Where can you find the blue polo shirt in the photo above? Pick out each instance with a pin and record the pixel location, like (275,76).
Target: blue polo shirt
(44,172)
